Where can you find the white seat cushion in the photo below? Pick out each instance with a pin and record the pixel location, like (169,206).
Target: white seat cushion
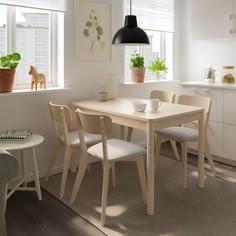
(117,149)
(180,134)
(74,140)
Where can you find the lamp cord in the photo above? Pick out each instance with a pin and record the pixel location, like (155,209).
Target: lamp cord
(130,7)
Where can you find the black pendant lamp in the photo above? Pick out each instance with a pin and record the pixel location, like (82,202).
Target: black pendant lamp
(130,34)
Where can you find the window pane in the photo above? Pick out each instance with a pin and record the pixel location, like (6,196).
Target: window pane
(33,42)
(151,51)
(169,54)
(3,30)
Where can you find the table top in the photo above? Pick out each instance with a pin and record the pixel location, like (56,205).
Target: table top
(123,107)
(35,140)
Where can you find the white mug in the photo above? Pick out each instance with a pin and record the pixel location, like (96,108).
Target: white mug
(155,104)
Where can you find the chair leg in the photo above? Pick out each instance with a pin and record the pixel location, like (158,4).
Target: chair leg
(122,132)
(157,149)
(209,157)
(129,134)
(142,177)
(113,170)
(65,171)
(106,170)
(54,156)
(3,229)
(174,147)
(73,164)
(79,177)
(184,158)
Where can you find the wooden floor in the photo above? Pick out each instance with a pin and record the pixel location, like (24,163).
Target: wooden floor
(27,216)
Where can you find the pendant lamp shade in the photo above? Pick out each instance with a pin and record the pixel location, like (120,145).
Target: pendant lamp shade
(130,34)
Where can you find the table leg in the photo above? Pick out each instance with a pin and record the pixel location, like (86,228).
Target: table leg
(22,161)
(36,175)
(6,197)
(201,143)
(150,168)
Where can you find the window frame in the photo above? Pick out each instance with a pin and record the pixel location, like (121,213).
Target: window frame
(140,49)
(55,45)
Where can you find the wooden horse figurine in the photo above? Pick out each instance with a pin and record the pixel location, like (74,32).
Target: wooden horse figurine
(37,78)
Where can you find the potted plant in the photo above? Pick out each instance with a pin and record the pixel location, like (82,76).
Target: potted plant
(137,68)
(8,64)
(158,66)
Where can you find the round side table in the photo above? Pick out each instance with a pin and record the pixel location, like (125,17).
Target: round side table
(21,147)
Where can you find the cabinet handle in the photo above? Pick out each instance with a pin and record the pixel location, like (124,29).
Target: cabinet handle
(194,89)
(206,90)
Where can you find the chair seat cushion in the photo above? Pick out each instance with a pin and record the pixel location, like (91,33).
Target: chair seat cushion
(73,138)
(117,149)
(180,134)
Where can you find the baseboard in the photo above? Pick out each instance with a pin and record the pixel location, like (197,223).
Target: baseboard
(222,160)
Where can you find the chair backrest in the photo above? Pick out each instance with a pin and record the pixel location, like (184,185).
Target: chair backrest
(163,96)
(8,170)
(94,124)
(61,119)
(204,102)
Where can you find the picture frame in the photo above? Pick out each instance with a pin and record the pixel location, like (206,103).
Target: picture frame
(93,31)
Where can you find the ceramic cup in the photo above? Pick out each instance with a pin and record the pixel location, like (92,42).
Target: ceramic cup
(139,106)
(155,104)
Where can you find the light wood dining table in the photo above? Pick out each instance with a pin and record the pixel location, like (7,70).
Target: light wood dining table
(169,114)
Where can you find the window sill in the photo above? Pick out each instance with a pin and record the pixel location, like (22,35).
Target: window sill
(40,91)
(149,82)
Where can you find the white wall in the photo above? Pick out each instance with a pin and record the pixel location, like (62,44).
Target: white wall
(197,55)
(31,110)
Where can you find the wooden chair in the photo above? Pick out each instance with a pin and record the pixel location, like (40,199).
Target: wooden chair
(8,170)
(108,151)
(163,96)
(185,134)
(64,135)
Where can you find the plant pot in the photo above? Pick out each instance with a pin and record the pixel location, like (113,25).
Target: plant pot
(137,74)
(6,80)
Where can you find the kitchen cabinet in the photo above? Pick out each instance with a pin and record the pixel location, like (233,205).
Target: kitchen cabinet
(213,19)
(217,100)
(222,123)
(229,142)
(214,137)
(229,107)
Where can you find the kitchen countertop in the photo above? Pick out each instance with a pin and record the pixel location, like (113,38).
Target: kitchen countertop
(205,84)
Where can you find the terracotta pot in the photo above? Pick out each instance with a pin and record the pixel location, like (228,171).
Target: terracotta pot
(137,74)
(6,80)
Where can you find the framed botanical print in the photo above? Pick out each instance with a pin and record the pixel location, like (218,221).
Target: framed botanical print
(93,31)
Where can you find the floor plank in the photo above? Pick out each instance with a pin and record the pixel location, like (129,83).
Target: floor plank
(27,216)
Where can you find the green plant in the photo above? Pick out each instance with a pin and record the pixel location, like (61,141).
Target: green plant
(136,60)
(10,60)
(158,65)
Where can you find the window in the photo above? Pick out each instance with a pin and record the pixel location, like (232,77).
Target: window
(156,17)
(34,33)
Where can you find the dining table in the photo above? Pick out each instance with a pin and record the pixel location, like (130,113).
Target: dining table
(122,112)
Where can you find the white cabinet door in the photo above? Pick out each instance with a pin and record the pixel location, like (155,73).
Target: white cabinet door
(229,142)
(214,136)
(217,97)
(230,106)
(210,19)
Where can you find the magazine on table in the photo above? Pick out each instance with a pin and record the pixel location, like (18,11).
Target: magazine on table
(22,135)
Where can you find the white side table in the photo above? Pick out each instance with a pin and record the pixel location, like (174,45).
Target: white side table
(29,145)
